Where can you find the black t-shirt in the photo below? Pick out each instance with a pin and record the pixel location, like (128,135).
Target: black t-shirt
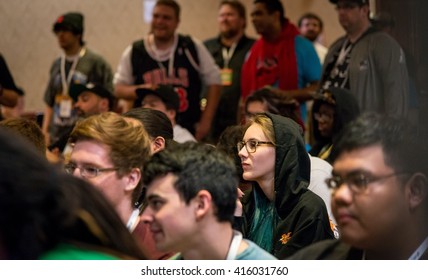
(338,75)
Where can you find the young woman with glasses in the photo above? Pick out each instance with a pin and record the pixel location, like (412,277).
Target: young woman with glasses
(280,214)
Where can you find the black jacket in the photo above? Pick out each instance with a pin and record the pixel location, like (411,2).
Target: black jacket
(334,250)
(303,217)
(346,110)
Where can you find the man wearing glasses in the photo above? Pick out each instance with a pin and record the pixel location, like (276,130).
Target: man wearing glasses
(368,62)
(379,193)
(109,151)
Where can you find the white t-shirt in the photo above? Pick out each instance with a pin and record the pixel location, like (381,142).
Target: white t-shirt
(208,69)
(320,171)
(182,135)
(321,51)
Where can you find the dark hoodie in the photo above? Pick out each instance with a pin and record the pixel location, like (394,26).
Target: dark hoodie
(303,217)
(346,109)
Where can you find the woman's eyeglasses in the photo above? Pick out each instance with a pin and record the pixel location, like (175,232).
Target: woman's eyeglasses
(251,145)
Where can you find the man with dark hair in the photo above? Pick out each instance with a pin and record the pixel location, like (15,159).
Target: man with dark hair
(281,58)
(380,193)
(77,65)
(229,49)
(191,196)
(157,125)
(166,57)
(164,98)
(91,99)
(368,62)
(311,26)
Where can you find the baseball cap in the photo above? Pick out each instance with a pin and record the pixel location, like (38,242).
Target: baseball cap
(77,89)
(359,2)
(165,92)
(69,21)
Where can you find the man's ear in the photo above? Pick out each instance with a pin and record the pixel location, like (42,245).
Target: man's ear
(158,144)
(417,187)
(133,179)
(203,204)
(104,102)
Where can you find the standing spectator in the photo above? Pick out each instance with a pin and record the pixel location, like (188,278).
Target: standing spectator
(77,65)
(311,26)
(9,92)
(166,57)
(380,193)
(280,214)
(368,62)
(281,57)
(229,49)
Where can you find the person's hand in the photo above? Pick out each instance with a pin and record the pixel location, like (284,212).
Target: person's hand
(202,129)
(147,86)
(47,138)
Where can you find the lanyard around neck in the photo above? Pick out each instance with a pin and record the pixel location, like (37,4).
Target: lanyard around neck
(227,54)
(152,45)
(131,224)
(420,251)
(344,51)
(66,80)
(234,245)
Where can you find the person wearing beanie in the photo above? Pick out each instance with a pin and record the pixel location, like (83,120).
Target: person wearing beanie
(76,65)
(229,49)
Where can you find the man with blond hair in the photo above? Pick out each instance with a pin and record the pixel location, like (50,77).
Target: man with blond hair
(109,151)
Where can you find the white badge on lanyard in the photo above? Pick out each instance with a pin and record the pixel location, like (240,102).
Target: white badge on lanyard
(65,107)
(226,72)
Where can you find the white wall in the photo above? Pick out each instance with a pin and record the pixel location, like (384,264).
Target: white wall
(29,46)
